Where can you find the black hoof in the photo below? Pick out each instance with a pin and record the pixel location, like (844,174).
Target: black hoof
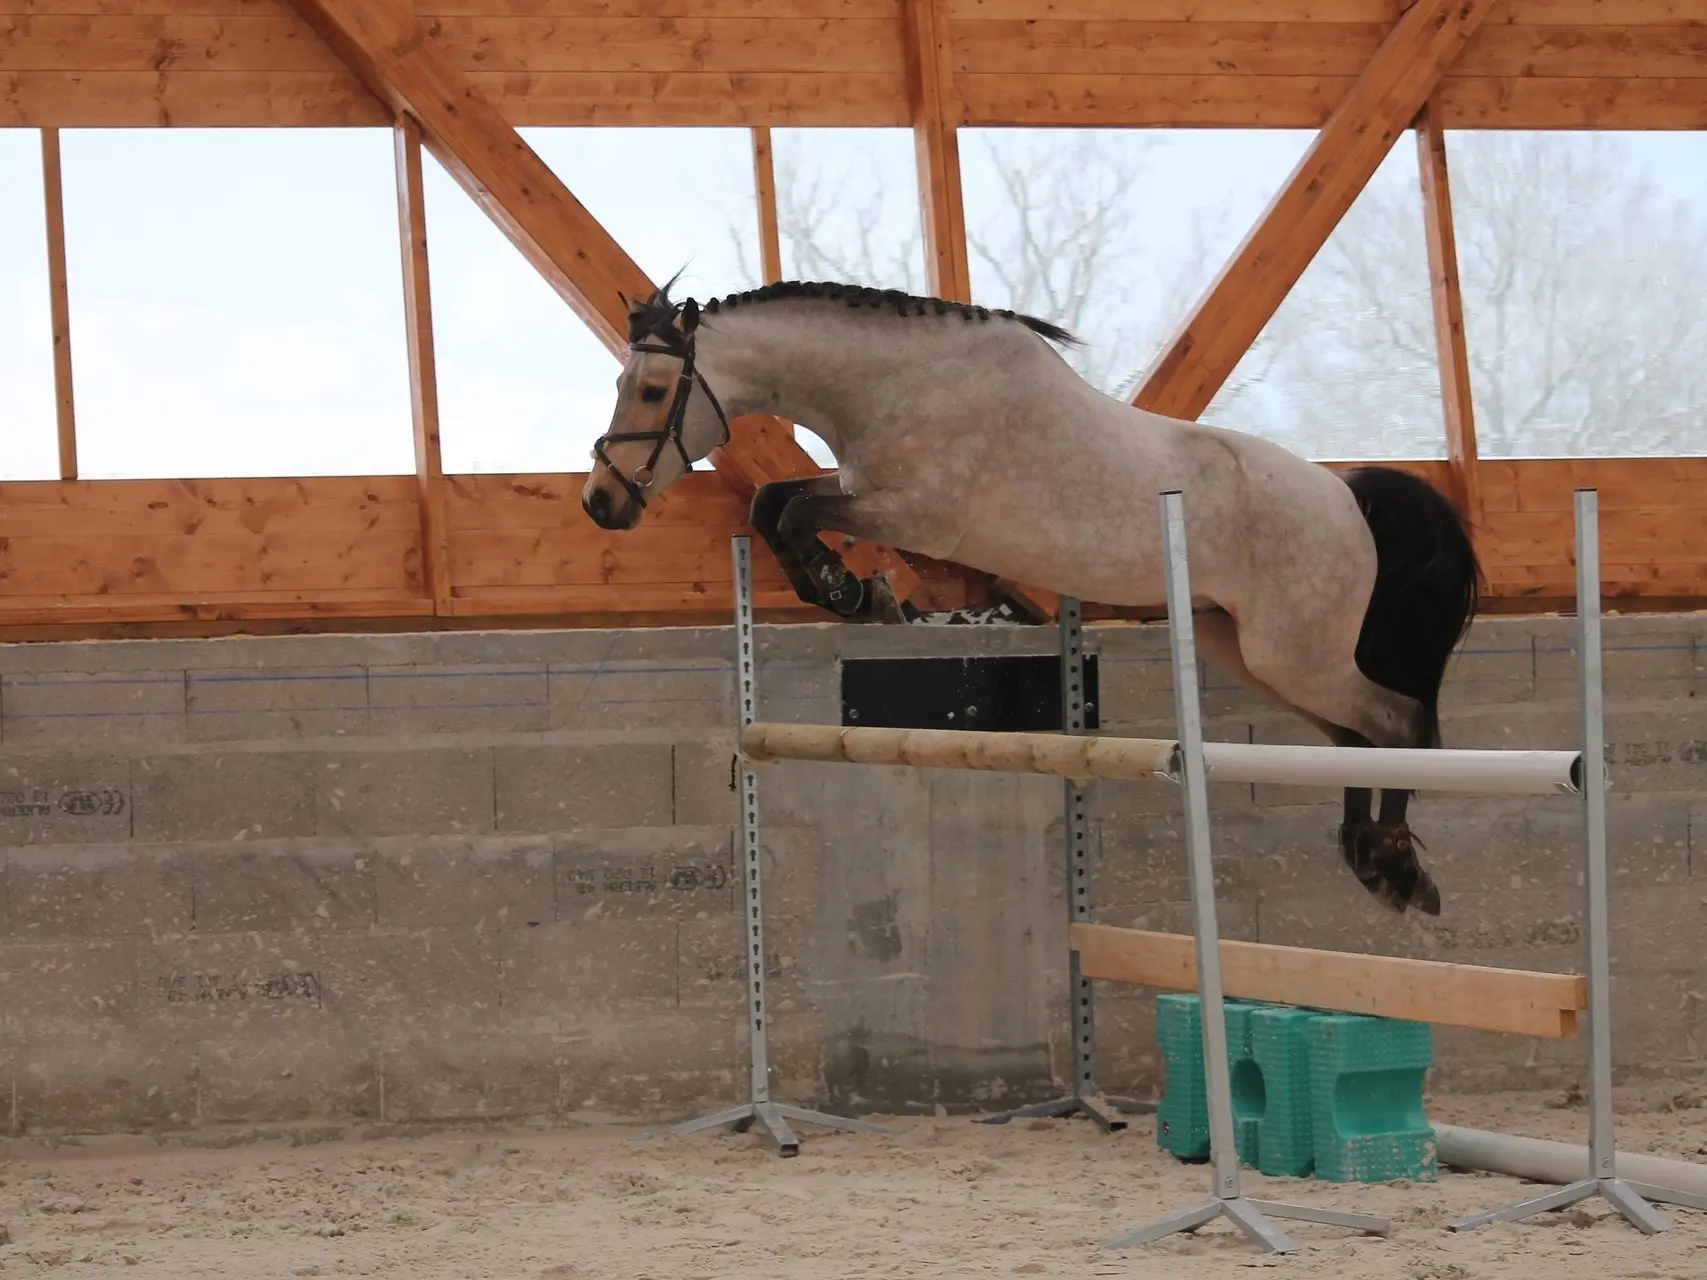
(1384,860)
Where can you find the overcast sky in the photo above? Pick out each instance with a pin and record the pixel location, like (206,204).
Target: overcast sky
(236,298)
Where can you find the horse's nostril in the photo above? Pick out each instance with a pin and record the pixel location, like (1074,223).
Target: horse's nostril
(598,504)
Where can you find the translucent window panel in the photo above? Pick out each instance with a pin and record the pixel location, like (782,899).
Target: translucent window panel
(29,447)
(847,206)
(1114,233)
(523,384)
(707,228)
(1347,367)
(236,302)
(1584,264)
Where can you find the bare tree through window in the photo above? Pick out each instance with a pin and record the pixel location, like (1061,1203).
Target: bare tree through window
(1582,285)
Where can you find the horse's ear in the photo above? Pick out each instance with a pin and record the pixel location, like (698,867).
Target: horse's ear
(690,316)
(632,304)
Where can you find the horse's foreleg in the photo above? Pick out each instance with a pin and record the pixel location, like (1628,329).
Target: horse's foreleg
(765,515)
(821,507)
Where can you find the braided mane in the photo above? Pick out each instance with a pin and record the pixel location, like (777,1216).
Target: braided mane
(657,315)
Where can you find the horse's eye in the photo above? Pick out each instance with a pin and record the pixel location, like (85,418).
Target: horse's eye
(652,395)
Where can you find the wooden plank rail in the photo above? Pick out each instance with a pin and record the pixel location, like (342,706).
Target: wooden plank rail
(100,553)
(1052,753)
(1513,1001)
(1255,63)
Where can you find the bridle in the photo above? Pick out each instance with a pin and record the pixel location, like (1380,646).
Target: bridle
(669,342)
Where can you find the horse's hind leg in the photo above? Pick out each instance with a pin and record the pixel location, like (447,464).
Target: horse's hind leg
(1217,637)
(1382,850)
(1379,851)
(1311,664)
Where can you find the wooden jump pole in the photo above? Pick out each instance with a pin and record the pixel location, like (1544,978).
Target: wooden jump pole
(1065,755)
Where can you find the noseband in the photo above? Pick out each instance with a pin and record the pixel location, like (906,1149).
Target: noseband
(669,342)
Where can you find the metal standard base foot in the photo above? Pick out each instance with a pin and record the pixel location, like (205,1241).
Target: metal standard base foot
(1665,1195)
(1098,1109)
(1621,1195)
(773,1117)
(1251,1217)
(1365,1222)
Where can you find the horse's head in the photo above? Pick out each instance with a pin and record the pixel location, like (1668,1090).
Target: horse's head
(666,417)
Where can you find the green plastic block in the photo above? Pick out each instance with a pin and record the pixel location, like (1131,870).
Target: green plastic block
(1366,1082)
(1247,1084)
(1280,1053)
(1182,1116)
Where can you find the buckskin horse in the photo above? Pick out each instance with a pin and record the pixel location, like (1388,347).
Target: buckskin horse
(961,433)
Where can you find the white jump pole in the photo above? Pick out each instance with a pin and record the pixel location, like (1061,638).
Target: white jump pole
(1225,1199)
(1518,773)
(1630,1199)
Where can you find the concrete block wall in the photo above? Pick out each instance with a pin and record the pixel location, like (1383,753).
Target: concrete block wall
(413,878)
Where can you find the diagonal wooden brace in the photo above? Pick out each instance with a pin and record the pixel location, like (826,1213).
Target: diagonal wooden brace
(395,56)
(1379,107)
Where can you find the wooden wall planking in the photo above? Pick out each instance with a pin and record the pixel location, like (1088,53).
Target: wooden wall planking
(1615,13)
(115,551)
(1213,63)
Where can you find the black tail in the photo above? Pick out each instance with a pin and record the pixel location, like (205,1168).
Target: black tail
(1426,585)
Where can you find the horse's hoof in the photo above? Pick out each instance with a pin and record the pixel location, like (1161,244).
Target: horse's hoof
(1384,860)
(884,606)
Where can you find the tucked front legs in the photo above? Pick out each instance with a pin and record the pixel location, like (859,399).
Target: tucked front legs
(766,513)
(789,515)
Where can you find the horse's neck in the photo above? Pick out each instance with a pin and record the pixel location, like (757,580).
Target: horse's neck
(837,375)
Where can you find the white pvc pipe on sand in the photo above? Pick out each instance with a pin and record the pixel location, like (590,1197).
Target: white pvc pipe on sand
(1418,769)
(1557,1162)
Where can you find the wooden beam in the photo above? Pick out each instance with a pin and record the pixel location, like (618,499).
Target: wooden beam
(1345,154)
(399,62)
(764,189)
(423,368)
(1514,1001)
(88,556)
(1038,604)
(1462,465)
(59,303)
(930,84)
(936,148)
(273,99)
(401,65)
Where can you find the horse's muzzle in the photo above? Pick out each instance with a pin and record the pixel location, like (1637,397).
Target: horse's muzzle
(607,514)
